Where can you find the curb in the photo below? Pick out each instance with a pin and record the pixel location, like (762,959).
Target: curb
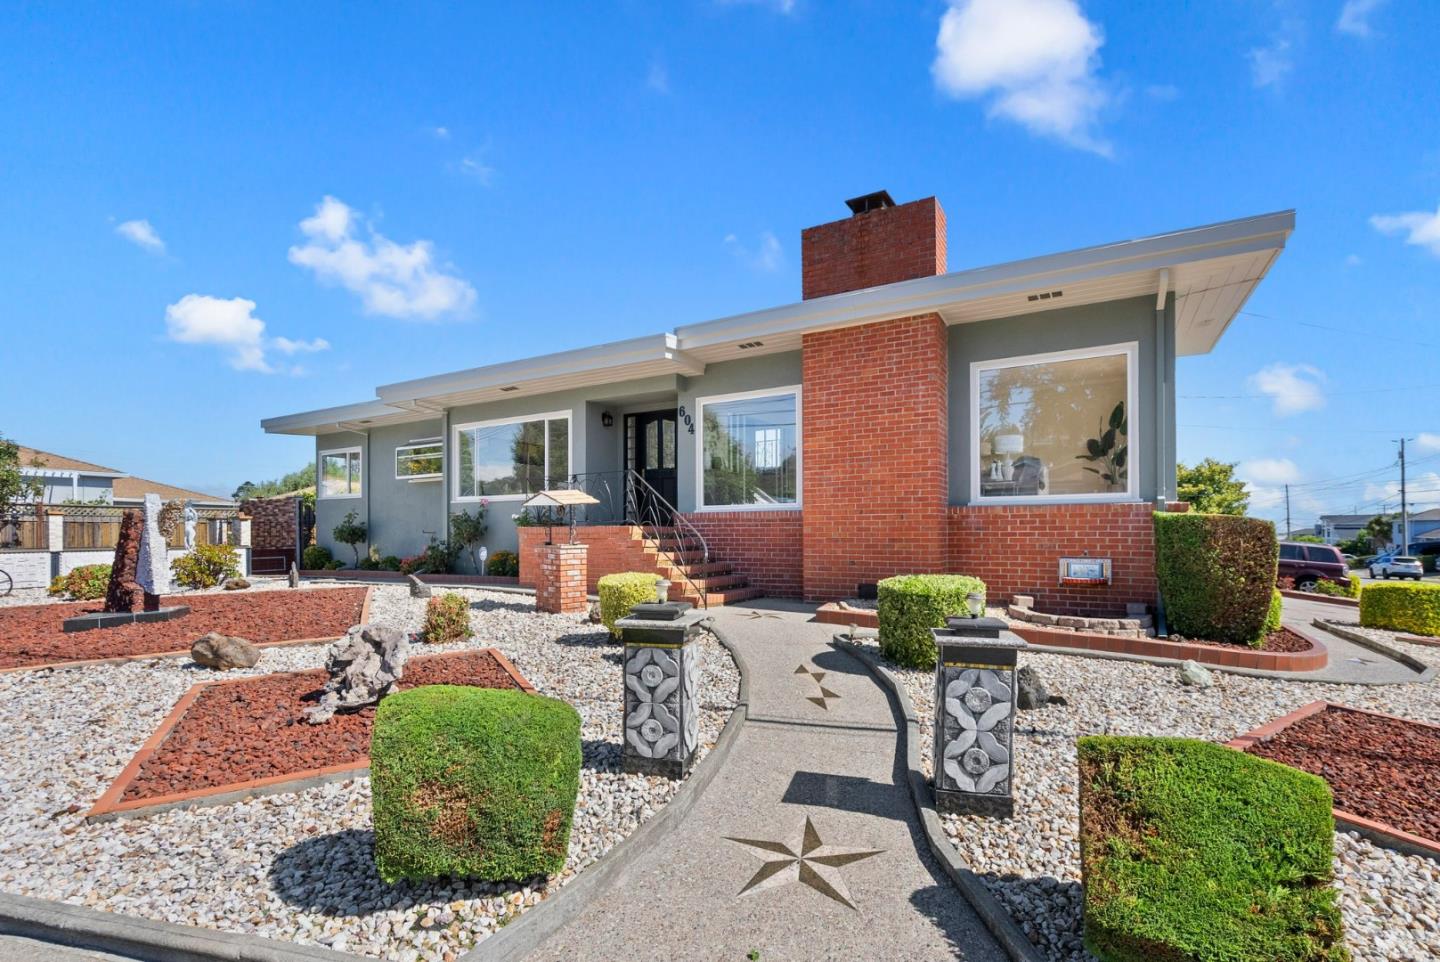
(527,933)
(1340,631)
(1212,656)
(1321,599)
(78,927)
(999,921)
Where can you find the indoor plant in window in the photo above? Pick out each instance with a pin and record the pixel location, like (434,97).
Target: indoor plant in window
(1109,450)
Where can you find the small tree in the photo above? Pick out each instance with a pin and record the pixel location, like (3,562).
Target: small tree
(1379,530)
(15,488)
(1211,488)
(466,531)
(352,532)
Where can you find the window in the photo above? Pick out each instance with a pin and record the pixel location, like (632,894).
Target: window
(418,460)
(1291,552)
(749,451)
(1055,427)
(340,473)
(513,458)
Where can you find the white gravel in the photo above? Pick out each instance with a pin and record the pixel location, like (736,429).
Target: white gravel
(297,866)
(1031,863)
(41,596)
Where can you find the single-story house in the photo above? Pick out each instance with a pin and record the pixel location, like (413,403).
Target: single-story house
(899,418)
(1335,528)
(1424,532)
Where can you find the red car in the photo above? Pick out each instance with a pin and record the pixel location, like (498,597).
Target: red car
(1307,564)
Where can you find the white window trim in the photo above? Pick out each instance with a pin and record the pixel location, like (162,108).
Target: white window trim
(455,430)
(700,402)
(422,443)
(320,474)
(1131,352)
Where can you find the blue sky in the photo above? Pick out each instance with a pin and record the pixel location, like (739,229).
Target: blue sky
(509,181)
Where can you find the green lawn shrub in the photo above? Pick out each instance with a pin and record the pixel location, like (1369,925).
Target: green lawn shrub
(206,565)
(447,619)
(315,558)
(473,783)
(910,605)
(85,583)
(1272,617)
(503,564)
(1414,608)
(1193,851)
(621,592)
(1216,574)
(1351,589)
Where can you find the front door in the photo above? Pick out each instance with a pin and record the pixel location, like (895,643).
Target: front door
(650,452)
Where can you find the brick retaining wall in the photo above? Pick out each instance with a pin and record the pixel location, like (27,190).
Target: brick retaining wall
(766,547)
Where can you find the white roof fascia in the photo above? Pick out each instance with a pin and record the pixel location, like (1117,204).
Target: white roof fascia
(312,422)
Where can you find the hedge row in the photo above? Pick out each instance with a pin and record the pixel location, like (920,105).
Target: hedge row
(910,605)
(1414,608)
(1216,575)
(1191,850)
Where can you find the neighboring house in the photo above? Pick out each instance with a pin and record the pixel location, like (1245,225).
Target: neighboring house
(1335,528)
(77,517)
(1424,531)
(897,419)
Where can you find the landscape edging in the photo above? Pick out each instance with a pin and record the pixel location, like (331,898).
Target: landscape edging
(1340,631)
(996,917)
(518,939)
(1322,599)
(77,927)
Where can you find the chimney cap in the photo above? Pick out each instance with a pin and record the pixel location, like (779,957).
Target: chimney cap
(877,200)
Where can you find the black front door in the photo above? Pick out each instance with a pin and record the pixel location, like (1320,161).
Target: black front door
(650,452)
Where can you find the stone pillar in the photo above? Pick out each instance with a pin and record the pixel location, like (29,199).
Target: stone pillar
(560,587)
(662,681)
(975,716)
(55,530)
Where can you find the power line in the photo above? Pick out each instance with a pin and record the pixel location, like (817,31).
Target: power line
(1340,330)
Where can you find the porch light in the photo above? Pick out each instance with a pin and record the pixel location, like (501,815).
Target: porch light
(976,603)
(607,420)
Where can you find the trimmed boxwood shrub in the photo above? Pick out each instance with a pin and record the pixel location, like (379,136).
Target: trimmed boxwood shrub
(1272,618)
(621,592)
(447,619)
(910,605)
(316,557)
(1414,608)
(473,783)
(1216,574)
(1191,850)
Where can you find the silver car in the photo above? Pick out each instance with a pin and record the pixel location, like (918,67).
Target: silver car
(1396,566)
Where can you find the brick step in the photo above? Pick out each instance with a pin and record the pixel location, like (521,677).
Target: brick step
(731,595)
(679,557)
(674,544)
(721,582)
(699,570)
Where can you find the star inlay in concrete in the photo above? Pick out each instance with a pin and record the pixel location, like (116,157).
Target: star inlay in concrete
(809,861)
(825,694)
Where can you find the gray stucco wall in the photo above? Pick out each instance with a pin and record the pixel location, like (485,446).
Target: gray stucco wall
(329,511)
(1066,329)
(401,515)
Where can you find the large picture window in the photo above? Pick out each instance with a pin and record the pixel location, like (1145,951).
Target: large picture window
(1055,427)
(418,460)
(513,458)
(749,450)
(340,473)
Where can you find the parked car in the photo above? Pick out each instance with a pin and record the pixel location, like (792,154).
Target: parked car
(1389,566)
(1308,564)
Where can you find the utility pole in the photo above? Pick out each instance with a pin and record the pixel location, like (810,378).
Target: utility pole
(1404,505)
(1287,512)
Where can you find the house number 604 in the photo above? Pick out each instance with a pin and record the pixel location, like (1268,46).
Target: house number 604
(685,416)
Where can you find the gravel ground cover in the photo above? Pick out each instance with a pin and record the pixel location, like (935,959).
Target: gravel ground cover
(1379,768)
(239,731)
(1032,862)
(298,866)
(32,635)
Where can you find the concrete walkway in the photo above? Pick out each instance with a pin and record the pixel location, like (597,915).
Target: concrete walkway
(815,773)
(1350,663)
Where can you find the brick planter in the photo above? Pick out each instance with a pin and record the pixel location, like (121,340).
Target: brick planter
(560,587)
(833,614)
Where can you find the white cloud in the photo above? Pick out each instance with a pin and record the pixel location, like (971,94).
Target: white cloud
(395,280)
(1268,471)
(1269,65)
(1293,388)
(232,325)
(1035,60)
(1419,227)
(142,233)
(1420,490)
(1353,260)
(766,256)
(473,166)
(440,133)
(1355,17)
(786,7)
(657,78)
(1427,442)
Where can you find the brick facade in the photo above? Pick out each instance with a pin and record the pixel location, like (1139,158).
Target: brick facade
(561,579)
(874,248)
(767,546)
(613,548)
(1015,549)
(274,522)
(876,453)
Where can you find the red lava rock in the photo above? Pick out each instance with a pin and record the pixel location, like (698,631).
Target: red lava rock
(31,634)
(246,730)
(1384,769)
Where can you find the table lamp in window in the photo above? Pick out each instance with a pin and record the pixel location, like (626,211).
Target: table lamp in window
(1006,446)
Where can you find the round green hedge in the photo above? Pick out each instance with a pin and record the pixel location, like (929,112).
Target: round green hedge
(621,592)
(910,605)
(1414,608)
(473,783)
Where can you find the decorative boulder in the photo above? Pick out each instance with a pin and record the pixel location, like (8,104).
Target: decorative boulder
(418,588)
(364,667)
(1030,691)
(236,584)
(124,592)
(1193,675)
(224,652)
(594,615)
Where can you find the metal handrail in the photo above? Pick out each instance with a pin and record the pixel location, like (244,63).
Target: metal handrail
(658,509)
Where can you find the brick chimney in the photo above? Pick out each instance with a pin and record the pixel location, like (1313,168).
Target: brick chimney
(880,243)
